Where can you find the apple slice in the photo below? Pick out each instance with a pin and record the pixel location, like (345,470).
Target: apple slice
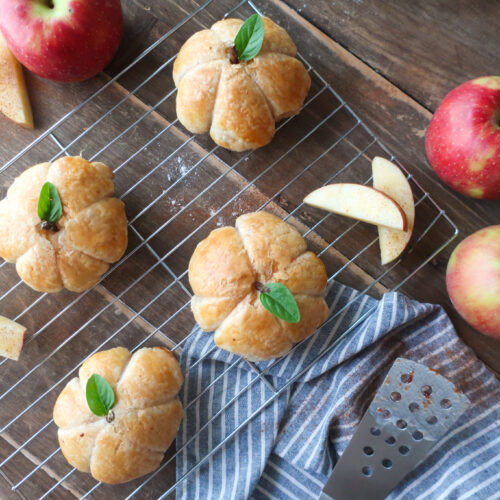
(359,202)
(14,101)
(11,338)
(389,179)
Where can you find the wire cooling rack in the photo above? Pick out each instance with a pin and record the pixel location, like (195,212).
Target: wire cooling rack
(177,188)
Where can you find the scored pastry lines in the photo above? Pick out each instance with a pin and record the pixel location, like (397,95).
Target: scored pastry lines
(214,56)
(229,260)
(196,66)
(69,214)
(216,99)
(258,277)
(261,91)
(121,413)
(210,59)
(244,65)
(57,250)
(286,57)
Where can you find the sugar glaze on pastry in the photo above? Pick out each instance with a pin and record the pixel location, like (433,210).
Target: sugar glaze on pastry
(238,103)
(224,269)
(92,232)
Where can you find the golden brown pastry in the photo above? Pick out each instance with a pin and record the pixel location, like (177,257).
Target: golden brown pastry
(147,414)
(223,272)
(238,103)
(92,232)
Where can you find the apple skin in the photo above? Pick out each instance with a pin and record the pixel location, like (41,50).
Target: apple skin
(473,280)
(463,138)
(69,42)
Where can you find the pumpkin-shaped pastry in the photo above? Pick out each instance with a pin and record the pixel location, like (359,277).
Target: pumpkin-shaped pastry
(232,262)
(132,438)
(75,251)
(238,102)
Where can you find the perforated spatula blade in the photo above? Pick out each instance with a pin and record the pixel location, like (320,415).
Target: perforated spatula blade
(413,408)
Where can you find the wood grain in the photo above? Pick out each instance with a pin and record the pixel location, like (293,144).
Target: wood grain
(401,123)
(173,172)
(423,48)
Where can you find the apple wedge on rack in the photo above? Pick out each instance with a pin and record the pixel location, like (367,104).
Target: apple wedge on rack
(12,336)
(359,202)
(388,178)
(14,100)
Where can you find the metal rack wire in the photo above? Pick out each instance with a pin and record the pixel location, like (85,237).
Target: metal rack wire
(27,391)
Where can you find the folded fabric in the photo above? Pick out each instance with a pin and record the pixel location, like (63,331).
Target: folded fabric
(309,403)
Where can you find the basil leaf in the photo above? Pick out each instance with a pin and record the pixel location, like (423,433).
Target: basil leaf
(280,302)
(49,204)
(100,395)
(248,41)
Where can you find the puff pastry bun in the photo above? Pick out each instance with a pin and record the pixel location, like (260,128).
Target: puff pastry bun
(223,271)
(238,103)
(147,414)
(92,230)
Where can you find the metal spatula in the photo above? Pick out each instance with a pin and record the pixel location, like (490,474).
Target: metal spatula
(411,411)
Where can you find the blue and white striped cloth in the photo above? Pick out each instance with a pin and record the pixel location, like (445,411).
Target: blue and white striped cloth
(290,448)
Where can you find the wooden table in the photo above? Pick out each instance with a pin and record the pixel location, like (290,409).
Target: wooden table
(391,61)
(416,52)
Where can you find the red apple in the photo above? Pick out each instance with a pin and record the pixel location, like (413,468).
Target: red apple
(473,280)
(62,40)
(463,138)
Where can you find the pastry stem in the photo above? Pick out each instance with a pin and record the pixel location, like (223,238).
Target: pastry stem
(261,288)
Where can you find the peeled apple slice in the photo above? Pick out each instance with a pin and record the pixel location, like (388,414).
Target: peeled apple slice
(359,202)
(389,179)
(11,338)
(14,100)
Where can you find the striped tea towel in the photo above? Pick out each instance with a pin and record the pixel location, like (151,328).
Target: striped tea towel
(288,450)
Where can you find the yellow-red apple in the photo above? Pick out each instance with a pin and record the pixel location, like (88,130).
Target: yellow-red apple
(473,280)
(62,40)
(463,138)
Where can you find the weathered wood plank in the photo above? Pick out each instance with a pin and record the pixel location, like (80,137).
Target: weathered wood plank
(425,48)
(93,322)
(401,123)
(158,172)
